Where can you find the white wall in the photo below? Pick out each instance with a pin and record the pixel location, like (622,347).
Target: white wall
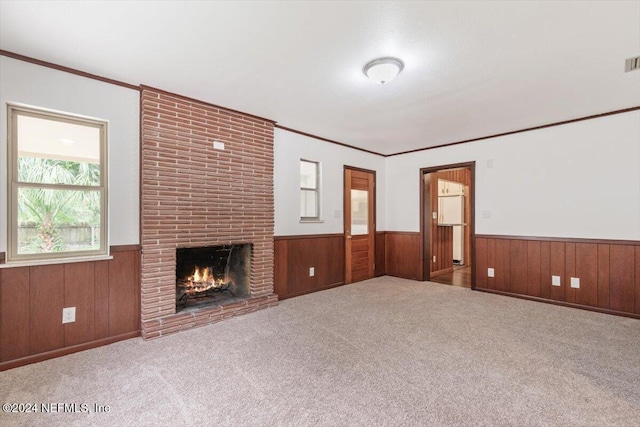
(289,148)
(576,180)
(26,83)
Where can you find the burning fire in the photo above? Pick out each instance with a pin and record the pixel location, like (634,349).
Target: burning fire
(202,280)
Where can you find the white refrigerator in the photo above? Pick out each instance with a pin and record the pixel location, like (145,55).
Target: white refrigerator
(451,213)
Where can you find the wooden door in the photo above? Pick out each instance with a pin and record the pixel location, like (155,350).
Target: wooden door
(359,224)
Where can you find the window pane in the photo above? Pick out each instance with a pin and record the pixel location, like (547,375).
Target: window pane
(56,152)
(359,212)
(57,220)
(308,174)
(308,204)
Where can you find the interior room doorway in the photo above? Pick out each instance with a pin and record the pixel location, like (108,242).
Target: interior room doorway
(447,223)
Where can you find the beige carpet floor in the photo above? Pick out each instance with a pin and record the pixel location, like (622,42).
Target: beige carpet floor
(382,352)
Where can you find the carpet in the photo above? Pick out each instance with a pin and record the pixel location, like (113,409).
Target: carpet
(386,352)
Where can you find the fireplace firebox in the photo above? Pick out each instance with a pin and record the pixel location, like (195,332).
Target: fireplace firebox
(212,275)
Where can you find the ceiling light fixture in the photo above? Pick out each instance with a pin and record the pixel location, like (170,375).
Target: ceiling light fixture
(383,70)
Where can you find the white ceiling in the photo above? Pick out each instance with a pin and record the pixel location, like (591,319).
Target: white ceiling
(472,69)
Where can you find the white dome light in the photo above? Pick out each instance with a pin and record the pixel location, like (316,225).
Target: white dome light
(383,70)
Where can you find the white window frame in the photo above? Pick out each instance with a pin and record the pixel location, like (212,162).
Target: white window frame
(316,190)
(15,110)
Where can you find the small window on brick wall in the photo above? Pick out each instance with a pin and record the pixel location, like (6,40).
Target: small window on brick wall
(309,190)
(58,185)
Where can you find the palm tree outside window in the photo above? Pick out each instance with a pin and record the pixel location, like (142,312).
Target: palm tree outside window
(58,185)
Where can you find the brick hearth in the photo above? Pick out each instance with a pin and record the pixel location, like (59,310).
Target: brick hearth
(194,195)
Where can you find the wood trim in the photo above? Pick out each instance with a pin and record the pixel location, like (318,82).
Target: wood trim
(355,168)
(199,101)
(425,250)
(461,165)
(440,272)
(307,236)
(141,87)
(346,209)
(564,122)
(66,69)
(561,239)
(331,141)
(112,249)
(310,291)
(125,248)
(65,351)
(560,303)
(140,164)
(425,233)
(407,233)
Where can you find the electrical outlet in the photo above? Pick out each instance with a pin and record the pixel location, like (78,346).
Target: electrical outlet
(575,282)
(68,315)
(555,280)
(491,272)
(486,214)
(434,215)
(489,163)
(312,271)
(218,145)
(434,258)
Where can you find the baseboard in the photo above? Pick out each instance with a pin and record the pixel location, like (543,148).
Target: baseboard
(297,294)
(560,239)
(561,303)
(441,272)
(10,364)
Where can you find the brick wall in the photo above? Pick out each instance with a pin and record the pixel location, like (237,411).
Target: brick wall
(194,195)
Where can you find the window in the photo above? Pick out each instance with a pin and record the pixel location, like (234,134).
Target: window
(57,194)
(309,190)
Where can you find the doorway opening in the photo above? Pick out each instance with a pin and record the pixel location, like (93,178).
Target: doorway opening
(447,224)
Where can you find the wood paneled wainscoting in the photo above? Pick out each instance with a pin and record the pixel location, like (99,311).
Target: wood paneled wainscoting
(402,254)
(609,271)
(106,295)
(295,255)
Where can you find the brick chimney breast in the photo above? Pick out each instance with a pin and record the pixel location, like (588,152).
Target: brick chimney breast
(196,195)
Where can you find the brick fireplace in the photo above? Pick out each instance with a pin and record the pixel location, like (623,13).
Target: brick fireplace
(212,275)
(197,194)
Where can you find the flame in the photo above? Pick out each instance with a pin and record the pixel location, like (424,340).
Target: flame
(201,276)
(202,280)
